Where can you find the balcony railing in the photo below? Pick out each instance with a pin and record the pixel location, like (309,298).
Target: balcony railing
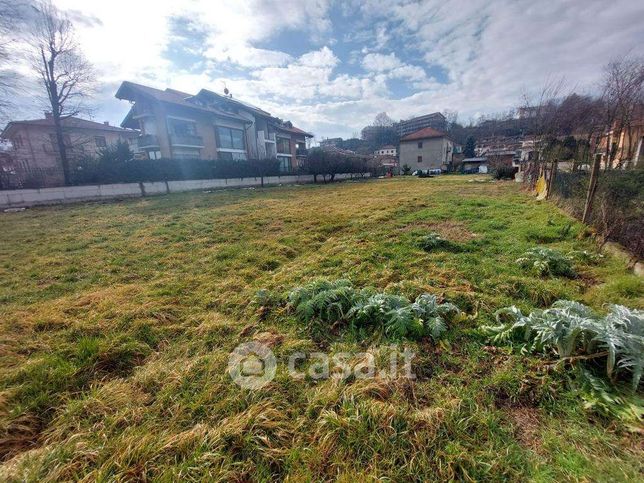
(147,141)
(185,140)
(302,152)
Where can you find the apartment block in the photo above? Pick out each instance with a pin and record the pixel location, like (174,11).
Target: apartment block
(208,125)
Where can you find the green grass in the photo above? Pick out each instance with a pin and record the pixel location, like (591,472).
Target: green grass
(116,321)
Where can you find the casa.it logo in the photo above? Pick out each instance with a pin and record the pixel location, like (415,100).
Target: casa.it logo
(252,365)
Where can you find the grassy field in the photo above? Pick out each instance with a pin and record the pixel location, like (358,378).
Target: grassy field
(116,322)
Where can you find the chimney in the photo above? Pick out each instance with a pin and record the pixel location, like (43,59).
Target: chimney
(107,123)
(47,115)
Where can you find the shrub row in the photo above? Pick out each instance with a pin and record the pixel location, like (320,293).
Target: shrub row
(116,164)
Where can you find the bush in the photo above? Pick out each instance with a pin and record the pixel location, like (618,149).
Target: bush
(546,261)
(570,328)
(434,241)
(116,164)
(366,311)
(619,204)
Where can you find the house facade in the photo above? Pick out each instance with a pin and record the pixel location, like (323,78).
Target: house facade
(34,156)
(388,150)
(207,125)
(426,149)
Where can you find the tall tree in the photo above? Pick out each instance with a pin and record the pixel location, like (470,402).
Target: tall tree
(622,96)
(383,120)
(65,74)
(470,144)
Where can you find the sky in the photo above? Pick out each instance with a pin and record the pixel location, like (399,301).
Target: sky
(330,66)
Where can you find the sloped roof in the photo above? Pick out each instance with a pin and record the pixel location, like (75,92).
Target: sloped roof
(69,122)
(424,133)
(131,90)
(295,130)
(242,104)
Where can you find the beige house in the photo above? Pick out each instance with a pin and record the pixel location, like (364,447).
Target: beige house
(387,150)
(207,125)
(33,155)
(426,149)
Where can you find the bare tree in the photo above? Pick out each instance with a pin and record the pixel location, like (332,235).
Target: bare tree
(67,77)
(622,96)
(383,120)
(544,121)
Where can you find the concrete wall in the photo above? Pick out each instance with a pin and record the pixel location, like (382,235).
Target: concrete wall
(72,194)
(434,152)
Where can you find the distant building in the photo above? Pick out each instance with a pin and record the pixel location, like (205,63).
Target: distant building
(435,120)
(474,165)
(387,150)
(426,149)
(34,149)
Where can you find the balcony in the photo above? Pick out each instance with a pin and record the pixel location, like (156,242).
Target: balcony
(186,140)
(147,141)
(302,152)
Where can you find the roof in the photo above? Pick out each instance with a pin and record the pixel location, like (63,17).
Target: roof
(295,130)
(131,91)
(388,146)
(69,122)
(474,160)
(425,133)
(242,104)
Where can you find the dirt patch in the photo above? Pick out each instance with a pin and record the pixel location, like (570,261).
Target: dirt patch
(268,338)
(527,422)
(451,230)
(20,435)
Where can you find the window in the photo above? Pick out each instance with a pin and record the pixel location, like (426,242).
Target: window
(285,164)
(180,127)
(229,138)
(420,159)
(154,154)
(100,141)
(230,156)
(185,153)
(284,145)
(420,145)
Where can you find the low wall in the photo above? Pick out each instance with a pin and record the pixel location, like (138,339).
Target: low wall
(72,194)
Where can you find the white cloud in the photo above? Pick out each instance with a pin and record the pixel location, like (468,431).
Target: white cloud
(380,62)
(490,52)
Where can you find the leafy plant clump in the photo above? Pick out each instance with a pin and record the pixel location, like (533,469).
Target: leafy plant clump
(433,241)
(546,261)
(571,329)
(367,311)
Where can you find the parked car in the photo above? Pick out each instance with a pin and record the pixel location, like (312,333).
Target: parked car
(423,173)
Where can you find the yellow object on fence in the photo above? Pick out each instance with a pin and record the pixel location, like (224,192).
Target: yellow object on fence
(542,188)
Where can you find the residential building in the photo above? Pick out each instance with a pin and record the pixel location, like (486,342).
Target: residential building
(426,149)
(474,165)
(34,149)
(388,150)
(208,125)
(435,120)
